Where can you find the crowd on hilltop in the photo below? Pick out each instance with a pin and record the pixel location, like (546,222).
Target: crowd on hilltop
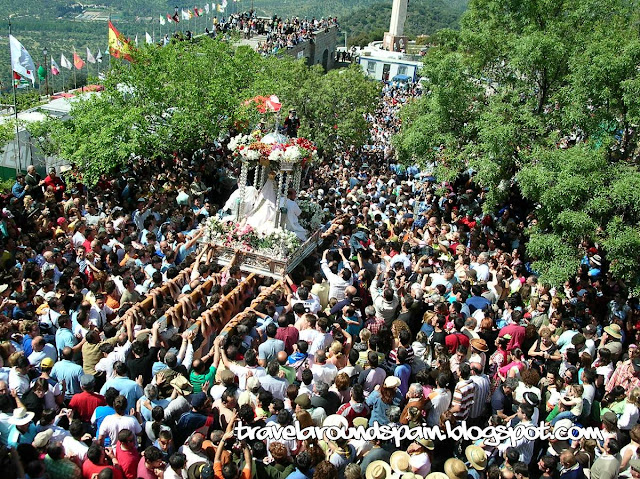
(281,33)
(421,310)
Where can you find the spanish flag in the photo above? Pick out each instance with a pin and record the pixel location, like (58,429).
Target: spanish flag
(119,47)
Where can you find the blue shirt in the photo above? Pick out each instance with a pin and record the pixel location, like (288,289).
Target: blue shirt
(71,373)
(403,372)
(26,344)
(64,338)
(298,474)
(17,190)
(100,413)
(16,437)
(379,408)
(478,302)
(127,387)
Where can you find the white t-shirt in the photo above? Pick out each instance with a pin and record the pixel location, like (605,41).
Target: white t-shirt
(169,473)
(73,447)
(325,373)
(113,424)
(421,464)
(49,351)
(308,335)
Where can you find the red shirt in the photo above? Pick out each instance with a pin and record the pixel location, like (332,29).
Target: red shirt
(289,336)
(517,333)
(453,340)
(89,469)
(128,461)
(56,183)
(85,403)
(144,472)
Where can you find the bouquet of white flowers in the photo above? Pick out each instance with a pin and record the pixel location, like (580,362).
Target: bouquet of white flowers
(280,243)
(312,216)
(215,230)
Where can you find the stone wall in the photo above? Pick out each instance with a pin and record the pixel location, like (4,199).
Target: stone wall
(319,52)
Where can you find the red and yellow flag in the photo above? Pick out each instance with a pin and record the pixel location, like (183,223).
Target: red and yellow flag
(119,47)
(77,61)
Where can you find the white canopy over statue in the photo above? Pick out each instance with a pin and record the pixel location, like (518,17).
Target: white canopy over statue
(277,163)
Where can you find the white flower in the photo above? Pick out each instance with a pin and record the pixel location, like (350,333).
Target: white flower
(276,155)
(292,154)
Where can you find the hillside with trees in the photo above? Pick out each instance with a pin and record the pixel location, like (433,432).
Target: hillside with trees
(424,17)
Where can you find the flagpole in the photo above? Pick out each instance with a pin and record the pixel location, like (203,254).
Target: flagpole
(15,110)
(87,82)
(75,80)
(62,73)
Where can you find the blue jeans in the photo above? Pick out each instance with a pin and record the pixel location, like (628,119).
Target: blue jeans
(564,415)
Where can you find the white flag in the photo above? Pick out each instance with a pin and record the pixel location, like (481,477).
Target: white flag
(55,69)
(162,21)
(185,15)
(148,37)
(65,63)
(136,40)
(90,57)
(99,56)
(206,8)
(21,61)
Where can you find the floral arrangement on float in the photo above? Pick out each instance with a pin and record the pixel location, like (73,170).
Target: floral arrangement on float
(251,149)
(313,215)
(237,236)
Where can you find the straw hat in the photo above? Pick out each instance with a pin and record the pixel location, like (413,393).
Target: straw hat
(479,344)
(21,417)
(614,331)
(378,470)
(437,475)
(392,382)
(360,422)
(411,475)
(400,461)
(42,438)
(455,469)
(336,420)
(182,385)
(426,443)
(476,457)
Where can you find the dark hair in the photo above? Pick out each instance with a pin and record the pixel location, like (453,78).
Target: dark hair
(55,451)
(94,453)
(177,460)
(110,396)
(152,454)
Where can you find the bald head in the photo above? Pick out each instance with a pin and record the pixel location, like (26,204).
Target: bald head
(282,358)
(350,291)
(67,353)
(38,343)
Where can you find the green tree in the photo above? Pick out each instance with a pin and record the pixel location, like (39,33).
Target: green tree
(540,98)
(183,96)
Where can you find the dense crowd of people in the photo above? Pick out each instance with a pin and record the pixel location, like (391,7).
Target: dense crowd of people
(422,310)
(281,33)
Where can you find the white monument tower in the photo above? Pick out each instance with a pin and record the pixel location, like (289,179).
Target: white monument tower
(394,40)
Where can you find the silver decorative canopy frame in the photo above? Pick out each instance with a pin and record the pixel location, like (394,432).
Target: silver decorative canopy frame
(288,175)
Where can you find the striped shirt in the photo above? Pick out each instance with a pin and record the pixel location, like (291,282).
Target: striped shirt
(463,397)
(482,395)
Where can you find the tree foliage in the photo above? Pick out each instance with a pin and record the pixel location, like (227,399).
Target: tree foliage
(541,97)
(184,96)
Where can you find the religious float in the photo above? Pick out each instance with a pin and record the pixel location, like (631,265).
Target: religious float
(262,220)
